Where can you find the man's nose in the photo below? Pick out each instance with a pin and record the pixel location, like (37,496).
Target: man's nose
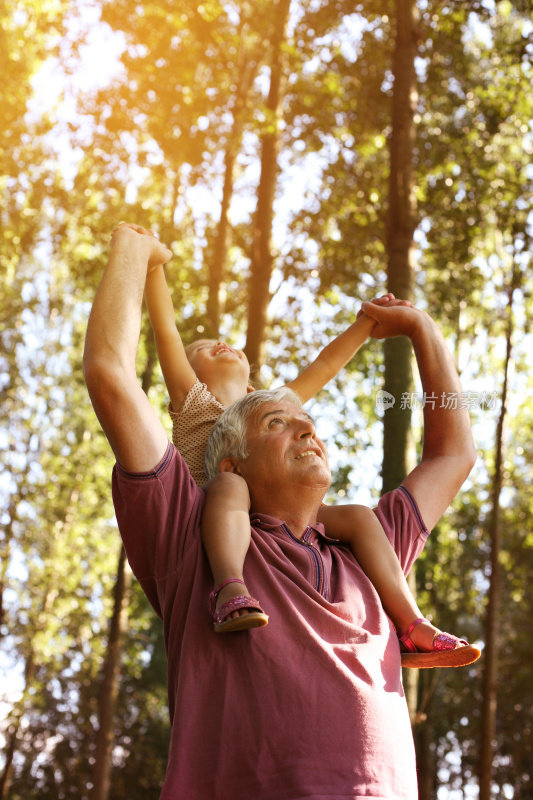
(305,429)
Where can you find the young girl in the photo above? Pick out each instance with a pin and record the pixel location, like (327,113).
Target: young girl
(205,378)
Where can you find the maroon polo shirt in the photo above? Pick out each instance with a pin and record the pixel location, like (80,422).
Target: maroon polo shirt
(309,707)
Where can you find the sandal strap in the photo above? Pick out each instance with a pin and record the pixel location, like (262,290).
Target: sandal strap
(214,594)
(225,583)
(441,641)
(406,640)
(241,601)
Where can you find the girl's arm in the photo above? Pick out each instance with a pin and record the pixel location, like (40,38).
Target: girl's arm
(359,527)
(332,359)
(178,373)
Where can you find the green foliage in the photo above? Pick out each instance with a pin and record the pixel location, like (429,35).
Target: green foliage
(148,148)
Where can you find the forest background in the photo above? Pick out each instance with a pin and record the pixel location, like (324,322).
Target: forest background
(299,157)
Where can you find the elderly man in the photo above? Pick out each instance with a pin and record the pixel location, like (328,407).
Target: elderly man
(312,706)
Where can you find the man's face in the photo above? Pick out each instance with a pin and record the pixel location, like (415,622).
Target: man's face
(284,450)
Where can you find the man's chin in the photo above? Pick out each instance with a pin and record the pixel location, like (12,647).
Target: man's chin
(317,477)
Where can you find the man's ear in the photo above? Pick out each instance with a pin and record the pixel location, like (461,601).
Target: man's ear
(229,464)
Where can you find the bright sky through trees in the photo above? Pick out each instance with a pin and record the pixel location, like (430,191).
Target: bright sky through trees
(154,147)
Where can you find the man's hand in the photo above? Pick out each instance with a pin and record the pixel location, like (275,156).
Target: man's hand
(393,317)
(127,235)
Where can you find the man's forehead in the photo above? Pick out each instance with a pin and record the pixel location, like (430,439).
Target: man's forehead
(286,407)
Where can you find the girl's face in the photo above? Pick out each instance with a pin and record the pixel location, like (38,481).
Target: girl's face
(214,361)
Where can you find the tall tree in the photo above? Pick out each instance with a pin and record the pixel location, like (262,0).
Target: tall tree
(109,686)
(493,618)
(398,457)
(401,223)
(247,66)
(261,253)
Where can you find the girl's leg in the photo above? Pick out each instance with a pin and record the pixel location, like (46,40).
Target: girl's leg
(226,538)
(359,527)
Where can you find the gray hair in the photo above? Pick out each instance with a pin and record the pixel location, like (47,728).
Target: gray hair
(228,437)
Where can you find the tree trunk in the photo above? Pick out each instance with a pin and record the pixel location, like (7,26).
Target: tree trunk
(400,228)
(247,71)
(261,255)
(217,267)
(424,734)
(7,772)
(151,359)
(490,659)
(12,733)
(398,459)
(5,548)
(110,684)
(5,543)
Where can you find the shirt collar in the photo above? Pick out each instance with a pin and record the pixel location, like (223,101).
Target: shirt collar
(265,522)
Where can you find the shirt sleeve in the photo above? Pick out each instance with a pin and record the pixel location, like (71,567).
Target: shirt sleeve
(402,522)
(158,515)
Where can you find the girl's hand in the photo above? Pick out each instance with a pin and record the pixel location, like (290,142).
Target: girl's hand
(393,317)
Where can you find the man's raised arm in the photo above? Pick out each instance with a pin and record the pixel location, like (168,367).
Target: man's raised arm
(448,453)
(130,423)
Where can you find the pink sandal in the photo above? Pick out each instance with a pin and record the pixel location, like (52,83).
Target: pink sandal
(254,619)
(446,650)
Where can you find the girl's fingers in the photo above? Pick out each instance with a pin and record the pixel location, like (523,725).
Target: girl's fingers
(137,228)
